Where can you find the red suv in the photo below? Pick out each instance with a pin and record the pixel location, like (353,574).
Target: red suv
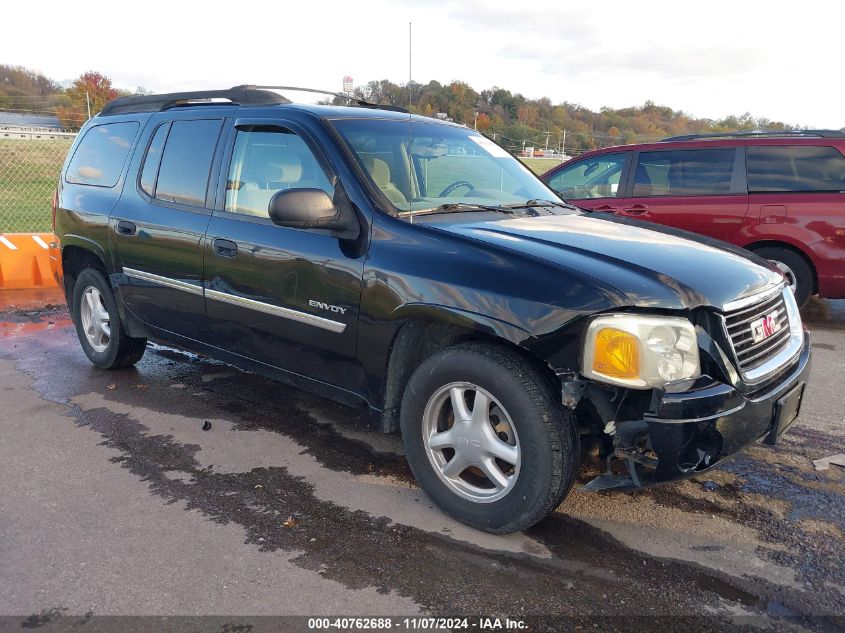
(779,194)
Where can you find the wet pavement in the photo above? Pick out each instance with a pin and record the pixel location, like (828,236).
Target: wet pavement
(117,502)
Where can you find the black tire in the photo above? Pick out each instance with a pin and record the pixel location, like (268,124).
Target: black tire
(546,430)
(800,270)
(121,349)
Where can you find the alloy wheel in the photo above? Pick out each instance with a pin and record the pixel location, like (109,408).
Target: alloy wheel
(471,442)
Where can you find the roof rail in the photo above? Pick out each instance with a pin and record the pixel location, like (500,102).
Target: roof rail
(757,134)
(361,102)
(239,95)
(246,95)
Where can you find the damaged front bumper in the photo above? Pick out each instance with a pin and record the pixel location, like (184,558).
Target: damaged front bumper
(686,433)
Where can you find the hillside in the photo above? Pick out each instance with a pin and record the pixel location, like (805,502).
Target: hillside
(510,118)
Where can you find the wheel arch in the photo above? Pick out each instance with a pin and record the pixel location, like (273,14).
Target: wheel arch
(427,332)
(77,256)
(755,246)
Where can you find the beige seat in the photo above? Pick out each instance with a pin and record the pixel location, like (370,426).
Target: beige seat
(254,198)
(380,173)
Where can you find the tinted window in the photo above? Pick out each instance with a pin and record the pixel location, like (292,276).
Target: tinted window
(101,154)
(186,162)
(596,177)
(684,173)
(795,168)
(268,160)
(152,159)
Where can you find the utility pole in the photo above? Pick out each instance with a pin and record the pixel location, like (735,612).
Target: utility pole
(475,122)
(563,146)
(88,103)
(548,134)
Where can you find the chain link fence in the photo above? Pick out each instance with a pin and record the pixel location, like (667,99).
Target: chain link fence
(29,170)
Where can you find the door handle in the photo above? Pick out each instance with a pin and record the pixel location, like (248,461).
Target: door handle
(637,209)
(224,248)
(606,207)
(125,227)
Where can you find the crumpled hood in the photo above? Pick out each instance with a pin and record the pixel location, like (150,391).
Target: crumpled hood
(651,266)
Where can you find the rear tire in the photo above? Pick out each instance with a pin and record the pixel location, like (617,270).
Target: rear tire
(520,420)
(798,273)
(98,324)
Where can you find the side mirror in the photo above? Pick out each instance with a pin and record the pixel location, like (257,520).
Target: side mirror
(312,209)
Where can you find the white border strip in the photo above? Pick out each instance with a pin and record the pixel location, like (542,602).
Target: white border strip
(39,241)
(6,242)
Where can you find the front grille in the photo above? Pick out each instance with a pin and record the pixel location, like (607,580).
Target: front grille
(750,353)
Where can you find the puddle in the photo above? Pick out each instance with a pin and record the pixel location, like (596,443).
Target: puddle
(13,330)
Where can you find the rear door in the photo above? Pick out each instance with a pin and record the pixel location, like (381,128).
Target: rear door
(158,225)
(596,182)
(700,190)
(286,297)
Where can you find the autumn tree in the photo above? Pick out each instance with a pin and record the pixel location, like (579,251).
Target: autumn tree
(91,87)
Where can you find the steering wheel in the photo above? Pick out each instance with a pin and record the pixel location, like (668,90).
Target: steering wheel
(455,185)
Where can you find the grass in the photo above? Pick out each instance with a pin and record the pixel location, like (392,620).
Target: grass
(540,165)
(28,174)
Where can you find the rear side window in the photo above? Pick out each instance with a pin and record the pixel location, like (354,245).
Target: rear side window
(596,177)
(684,173)
(794,168)
(186,161)
(101,154)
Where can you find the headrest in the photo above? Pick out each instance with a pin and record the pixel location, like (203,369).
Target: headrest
(379,171)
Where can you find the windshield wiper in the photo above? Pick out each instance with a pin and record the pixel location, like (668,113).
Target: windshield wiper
(544,203)
(460,207)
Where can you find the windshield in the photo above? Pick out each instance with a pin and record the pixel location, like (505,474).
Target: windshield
(449,165)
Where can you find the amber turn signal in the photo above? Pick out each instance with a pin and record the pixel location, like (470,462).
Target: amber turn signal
(617,354)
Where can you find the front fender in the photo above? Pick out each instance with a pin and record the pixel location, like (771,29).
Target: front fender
(464,319)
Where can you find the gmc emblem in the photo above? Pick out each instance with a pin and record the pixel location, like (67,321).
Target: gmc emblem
(764,327)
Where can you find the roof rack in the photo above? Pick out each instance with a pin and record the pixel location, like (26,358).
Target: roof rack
(757,134)
(246,95)
(239,95)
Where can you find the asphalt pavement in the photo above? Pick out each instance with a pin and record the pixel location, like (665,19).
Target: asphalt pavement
(117,502)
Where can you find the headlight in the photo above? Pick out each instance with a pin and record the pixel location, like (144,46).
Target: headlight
(640,351)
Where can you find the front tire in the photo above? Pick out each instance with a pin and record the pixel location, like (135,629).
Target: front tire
(98,324)
(487,438)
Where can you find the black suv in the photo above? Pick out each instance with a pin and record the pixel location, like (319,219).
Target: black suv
(415,268)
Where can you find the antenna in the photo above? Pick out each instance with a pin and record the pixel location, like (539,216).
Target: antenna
(410,123)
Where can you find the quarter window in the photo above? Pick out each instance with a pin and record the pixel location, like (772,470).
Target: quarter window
(596,177)
(684,173)
(153,158)
(794,168)
(266,160)
(186,161)
(101,154)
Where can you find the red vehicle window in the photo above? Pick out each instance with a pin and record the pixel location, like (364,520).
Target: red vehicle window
(797,168)
(684,173)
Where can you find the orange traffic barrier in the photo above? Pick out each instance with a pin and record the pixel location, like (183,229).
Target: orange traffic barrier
(25,261)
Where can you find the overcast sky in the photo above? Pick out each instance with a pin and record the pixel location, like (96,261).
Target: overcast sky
(709,58)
